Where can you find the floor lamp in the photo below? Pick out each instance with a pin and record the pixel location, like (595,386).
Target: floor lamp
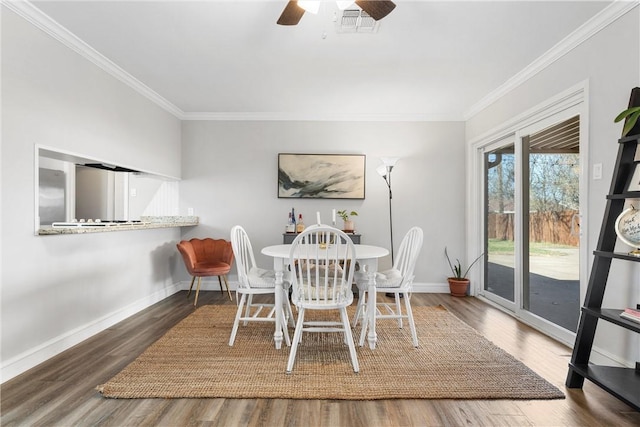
(385,172)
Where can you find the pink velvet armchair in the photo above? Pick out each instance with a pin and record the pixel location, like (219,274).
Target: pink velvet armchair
(207,257)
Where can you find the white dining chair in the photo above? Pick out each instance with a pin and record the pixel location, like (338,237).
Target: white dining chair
(322,261)
(254,280)
(397,280)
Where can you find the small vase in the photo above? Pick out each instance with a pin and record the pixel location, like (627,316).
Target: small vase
(458,287)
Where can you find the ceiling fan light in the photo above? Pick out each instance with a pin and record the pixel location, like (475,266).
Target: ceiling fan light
(311,6)
(342,5)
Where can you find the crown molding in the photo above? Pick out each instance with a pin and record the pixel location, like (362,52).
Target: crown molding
(40,20)
(561,102)
(337,117)
(36,17)
(590,28)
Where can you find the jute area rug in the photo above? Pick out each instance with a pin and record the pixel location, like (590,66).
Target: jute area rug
(453,361)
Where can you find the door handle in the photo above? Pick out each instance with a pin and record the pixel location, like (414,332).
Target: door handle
(575,225)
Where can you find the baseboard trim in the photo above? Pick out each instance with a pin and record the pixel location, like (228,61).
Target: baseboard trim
(431,288)
(599,355)
(33,357)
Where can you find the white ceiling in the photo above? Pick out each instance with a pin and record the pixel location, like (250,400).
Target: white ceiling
(428,60)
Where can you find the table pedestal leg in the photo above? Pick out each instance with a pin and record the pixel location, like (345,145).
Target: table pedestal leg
(371,266)
(278,268)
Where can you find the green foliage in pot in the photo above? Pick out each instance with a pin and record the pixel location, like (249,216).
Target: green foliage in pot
(456,268)
(631,114)
(345,215)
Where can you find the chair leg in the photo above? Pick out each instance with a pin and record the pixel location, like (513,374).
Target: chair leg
(349,338)
(360,307)
(220,281)
(226,284)
(363,331)
(236,322)
(247,309)
(412,325)
(296,339)
(192,279)
(195,302)
(398,309)
(285,331)
(288,311)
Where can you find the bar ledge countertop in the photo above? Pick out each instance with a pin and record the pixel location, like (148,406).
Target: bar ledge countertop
(145,223)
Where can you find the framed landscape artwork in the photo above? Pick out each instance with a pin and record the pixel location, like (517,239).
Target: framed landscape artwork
(321,176)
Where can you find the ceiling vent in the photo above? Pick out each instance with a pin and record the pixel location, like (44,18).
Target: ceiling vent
(356,21)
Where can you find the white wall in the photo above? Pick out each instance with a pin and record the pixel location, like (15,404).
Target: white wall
(610,61)
(230,177)
(57,290)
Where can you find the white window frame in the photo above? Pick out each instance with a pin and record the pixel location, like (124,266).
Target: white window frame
(572,102)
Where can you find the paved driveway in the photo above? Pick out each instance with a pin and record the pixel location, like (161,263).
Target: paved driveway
(554,285)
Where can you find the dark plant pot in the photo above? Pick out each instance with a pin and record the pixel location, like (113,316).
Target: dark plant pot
(458,287)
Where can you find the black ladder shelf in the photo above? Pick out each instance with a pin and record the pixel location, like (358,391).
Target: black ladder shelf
(624,383)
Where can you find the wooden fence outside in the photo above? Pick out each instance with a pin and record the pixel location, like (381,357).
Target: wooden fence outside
(547,227)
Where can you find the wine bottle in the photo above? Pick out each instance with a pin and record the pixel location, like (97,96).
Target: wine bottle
(291,228)
(300,224)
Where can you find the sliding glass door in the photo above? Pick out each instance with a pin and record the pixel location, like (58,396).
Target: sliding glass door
(500,185)
(532,223)
(551,202)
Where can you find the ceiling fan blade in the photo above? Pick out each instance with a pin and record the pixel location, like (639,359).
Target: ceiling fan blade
(377,9)
(291,14)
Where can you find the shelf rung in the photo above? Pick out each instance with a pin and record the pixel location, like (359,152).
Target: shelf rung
(623,383)
(617,255)
(613,315)
(625,195)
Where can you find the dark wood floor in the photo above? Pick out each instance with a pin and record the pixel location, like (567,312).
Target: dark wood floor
(61,391)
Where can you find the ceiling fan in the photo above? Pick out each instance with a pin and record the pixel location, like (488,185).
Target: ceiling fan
(293,11)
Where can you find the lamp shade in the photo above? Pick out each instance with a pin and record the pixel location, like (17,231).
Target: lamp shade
(390,161)
(382,170)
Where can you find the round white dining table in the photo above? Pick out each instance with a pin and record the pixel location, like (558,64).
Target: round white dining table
(366,255)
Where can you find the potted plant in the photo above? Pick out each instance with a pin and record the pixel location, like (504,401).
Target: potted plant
(348,223)
(458,282)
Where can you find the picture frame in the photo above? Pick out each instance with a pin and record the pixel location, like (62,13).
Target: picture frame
(321,176)
(634,182)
